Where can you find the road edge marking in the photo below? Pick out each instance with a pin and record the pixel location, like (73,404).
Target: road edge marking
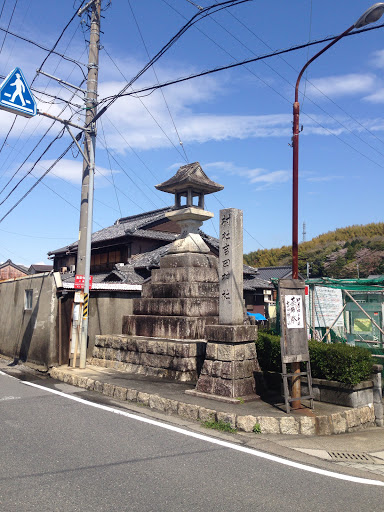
(212,440)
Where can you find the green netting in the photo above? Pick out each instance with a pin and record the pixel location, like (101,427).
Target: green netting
(349,284)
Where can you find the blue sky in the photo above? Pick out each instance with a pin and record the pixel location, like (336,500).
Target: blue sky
(236,123)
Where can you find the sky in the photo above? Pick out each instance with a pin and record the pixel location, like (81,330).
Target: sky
(237,123)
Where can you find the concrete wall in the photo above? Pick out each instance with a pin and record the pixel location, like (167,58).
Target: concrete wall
(26,334)
(34,335)
(106,312)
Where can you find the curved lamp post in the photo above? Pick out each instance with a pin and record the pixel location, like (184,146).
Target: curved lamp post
(369,16)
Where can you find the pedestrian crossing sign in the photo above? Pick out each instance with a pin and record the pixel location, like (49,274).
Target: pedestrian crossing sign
(15,95)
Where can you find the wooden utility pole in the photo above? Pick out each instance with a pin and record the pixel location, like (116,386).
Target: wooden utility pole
(86,207)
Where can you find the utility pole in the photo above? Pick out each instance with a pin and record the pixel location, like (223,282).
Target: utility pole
(80,317)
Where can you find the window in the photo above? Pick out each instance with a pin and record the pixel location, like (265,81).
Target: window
(28,299)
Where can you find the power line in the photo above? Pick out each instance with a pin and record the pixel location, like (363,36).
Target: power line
(35,236)
(37,182)
(157,79)
(248,233)
(152,88)
(132,149)
(110,168)
(306,80)
(34,148)
(42,47)
(207,11)
(42,64)
(146,108)
(34,165)
(288,82)
(125,172)
(241,63)
(9,23)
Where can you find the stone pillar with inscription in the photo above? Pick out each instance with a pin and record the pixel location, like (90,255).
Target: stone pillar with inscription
(230,363)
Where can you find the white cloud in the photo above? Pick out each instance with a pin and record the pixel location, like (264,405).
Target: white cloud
(376,97)
(260,176)
(319,179)
(69,170)
(377,59)
(342,85)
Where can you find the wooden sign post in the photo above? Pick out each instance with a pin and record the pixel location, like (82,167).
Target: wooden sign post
(294,340)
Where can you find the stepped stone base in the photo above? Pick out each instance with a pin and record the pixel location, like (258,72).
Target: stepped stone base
(167,326)
(173,359)
(189,307)
(229,366)
(201,290)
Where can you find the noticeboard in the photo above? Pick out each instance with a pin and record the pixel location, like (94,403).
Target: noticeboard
(294,339)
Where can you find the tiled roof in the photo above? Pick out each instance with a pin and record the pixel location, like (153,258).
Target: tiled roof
(37,269)
(135,224)
(255,283)
(22,268)
(190,175)
(149,260)
(268,273)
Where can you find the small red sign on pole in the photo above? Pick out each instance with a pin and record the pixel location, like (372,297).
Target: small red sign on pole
(306,289)
(80,282)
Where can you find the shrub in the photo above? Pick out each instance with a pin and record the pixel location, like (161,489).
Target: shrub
(343,363)
(340,362)
(268,351)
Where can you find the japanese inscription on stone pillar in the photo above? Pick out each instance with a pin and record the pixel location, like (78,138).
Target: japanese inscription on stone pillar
(231,308)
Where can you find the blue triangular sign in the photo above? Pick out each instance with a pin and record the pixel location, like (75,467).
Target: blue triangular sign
(15,95)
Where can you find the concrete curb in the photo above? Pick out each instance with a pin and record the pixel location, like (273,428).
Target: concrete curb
(337,423)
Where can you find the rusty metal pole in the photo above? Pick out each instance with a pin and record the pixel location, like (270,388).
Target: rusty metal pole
(295,367)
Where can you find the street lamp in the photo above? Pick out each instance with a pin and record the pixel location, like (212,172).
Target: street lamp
(369,16)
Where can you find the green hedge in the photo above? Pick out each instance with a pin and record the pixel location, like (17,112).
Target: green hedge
(339,362)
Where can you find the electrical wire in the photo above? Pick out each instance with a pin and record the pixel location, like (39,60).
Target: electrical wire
(312,84)
(131,148)
(9,23)
(37,182)
(34,165)
(36,236)
(157,79)
(42,47)
(125,172)
(248,233)
(293,86)
(110,168)
(34,148)
(146,108)
(41,66)
(247,61)
(207,11)
(230,66)
(309,38)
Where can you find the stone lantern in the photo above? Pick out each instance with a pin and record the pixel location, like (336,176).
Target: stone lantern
(189,185)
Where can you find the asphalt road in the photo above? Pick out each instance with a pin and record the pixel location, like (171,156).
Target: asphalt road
(58,454)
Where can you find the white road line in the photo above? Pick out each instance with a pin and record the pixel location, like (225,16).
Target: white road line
(211,440)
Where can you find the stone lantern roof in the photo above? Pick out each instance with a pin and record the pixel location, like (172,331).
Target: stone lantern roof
(190,176)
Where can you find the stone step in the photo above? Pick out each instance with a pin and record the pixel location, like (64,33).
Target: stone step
(180,290)
(188,260)
(185,275)
(190,307)
(169,327)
